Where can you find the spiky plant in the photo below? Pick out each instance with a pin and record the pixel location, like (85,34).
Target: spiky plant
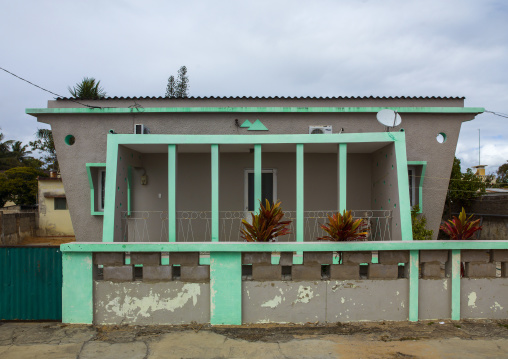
(342,228)
(88,89)
(461,228)
(266,225)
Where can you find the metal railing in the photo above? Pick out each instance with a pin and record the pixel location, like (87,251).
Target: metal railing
(195,226)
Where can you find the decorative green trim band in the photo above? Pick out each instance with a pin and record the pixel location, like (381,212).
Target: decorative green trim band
(403,185)
(215,192)
(455,264)
(279,246)
(255,139)
(300,219)
(172,167)
(413,285)
(89,166)
(119,110)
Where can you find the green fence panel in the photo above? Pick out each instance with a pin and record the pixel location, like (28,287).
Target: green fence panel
(30,283)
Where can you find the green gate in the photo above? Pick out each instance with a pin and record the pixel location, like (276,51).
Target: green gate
(30,283)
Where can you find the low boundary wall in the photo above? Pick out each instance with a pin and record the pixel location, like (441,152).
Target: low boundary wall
(14,227)
(237,283)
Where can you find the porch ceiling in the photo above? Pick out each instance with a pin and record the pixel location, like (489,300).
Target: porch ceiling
(365,147)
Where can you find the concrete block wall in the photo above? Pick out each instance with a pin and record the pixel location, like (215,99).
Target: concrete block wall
(14,227)
(309,294)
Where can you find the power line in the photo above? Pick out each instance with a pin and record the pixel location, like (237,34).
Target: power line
(42,88)
(500,114)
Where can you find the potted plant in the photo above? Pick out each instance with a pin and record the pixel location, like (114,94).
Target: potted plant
(343,228)
(463,228)
(266,226)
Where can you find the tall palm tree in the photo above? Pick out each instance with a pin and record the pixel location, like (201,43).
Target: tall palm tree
(5,153)
(88,89)
(19,152)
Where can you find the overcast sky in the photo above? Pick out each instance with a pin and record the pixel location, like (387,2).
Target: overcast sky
(263,48)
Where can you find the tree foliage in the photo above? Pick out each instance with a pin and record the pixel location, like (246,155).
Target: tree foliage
(463,187)
(502,175)
(170,89)
(178,88)
(419,223)
(19,184)
(87,89)
(44,143)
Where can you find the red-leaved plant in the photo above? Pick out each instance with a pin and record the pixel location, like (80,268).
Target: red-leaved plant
(461,228)
(342,228)
(266,224)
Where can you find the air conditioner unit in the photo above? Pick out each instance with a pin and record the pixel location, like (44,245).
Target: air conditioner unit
(320,130)
(140,129)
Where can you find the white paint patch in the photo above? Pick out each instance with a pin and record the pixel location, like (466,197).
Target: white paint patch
(305,294)
(133,307)
(496,307)
(273,303)
(398,293)
(342,300)
(471,300)
(445,284)
(402,304)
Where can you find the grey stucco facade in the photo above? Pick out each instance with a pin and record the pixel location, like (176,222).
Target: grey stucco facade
(91,131)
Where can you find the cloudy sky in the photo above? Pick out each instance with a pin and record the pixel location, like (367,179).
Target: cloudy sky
(263,48)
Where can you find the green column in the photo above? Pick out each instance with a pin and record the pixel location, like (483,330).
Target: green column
(172,151)
(257,176)
(403,184)
(108,227)
(225,288)
(455,259)
(300,229)
(215,193)
(77,288)
(413,285)
(342,176)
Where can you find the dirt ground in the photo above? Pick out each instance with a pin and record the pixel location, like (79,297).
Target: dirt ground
(47,241)
(383,340)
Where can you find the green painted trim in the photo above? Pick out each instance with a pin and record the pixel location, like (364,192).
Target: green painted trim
(387,137)
(320,246)
(215,193)
(77,300)
(246,124)
(119,110)
(406,227)
(89,166)
(129,189)
(420,186)
(413,285)
(455,264)
(258,126)
(172,167)
(258,171)
(300,207)
(342,177)
(108,227)
(225,288)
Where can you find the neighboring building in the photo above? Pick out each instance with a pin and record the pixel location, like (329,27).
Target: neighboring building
(54,216)
(480,171)
(226,163)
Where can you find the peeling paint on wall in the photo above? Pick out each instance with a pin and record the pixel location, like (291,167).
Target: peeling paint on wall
(132,307)
(273,303)
(471,299)
(305,294)
(496,307)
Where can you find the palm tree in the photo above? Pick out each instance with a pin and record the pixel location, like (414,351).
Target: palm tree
(45,143)
(5,153)
(88,89)
(19,152)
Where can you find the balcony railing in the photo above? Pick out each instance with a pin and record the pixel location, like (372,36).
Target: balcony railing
(195,226)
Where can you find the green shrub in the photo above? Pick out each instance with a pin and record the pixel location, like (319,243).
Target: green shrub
(419,222)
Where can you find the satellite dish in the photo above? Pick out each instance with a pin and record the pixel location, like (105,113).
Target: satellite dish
(389,118)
